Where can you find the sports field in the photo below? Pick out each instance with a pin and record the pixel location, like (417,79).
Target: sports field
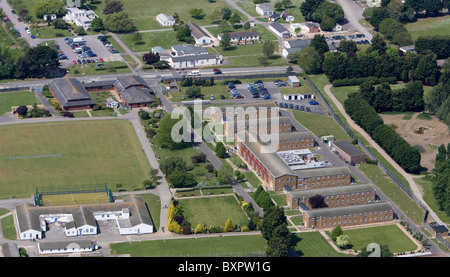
(68,154)
(74,199)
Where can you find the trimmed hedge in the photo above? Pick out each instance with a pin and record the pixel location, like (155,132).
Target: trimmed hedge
(359,81)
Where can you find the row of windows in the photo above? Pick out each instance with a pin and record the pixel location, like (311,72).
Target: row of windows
(355,221)
(327,177)
(297,146)
(350,216)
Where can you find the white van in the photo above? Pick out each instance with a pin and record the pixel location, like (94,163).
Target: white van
(79,40)
(194,73)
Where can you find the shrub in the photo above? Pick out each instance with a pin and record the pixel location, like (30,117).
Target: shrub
(22,110)
(144,115)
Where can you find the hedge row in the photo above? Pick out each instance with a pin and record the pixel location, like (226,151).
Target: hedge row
(359,81)
(400,151)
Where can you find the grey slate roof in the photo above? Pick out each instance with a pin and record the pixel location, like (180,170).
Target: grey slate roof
(130,88)
(332,190)
(243,34)
(269,158)
(188,49)
(10,250)
(196,31)
(52,245)
(353,209)
(324,171)
(295,135)
(257,122)
(280,28)
(347,147)
(70,92)
(299,43)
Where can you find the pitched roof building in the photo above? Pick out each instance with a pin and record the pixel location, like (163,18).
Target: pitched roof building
(70,94)
(200,36)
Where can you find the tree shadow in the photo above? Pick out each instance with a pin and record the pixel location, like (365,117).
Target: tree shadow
(140,43)
(294,241)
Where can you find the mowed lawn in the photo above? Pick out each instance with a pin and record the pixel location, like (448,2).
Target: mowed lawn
(432,26)
(143,13)
(235,246)
(313,244)
(76,153)
(391,235)
(10,99)
(213,211)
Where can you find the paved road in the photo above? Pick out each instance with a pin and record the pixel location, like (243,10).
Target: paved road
(353,13)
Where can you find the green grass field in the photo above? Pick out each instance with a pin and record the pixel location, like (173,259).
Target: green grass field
(18,98)
(293,9)
(74,199)
(165,39)
(213,211)
(236,246)
(144,14)
(431,26)
(390,235)
(8,228)
(320,125)
(88,152)
(313,244)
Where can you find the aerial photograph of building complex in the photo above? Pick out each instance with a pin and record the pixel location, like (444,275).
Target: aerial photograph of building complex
(267,129)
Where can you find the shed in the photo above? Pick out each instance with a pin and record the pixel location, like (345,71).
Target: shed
(347,152)
(293,81)
(439,230)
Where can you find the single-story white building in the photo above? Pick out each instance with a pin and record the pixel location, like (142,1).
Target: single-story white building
(131,217)
(337,28)
(200,36)
(165,20)
(264,9)
(242,37)
(193,61)
(64,247)
(79,17)
(279,30)
(287,16)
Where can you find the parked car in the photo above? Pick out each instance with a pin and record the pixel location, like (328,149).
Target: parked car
(313,102)
(83,61)
(212,97)
(74,62)
(222,96)
(297,107)
(291,106)
(218,72)
(183,97)
(255,95)
(302,108)
(239,96)
(267,96)
(308,109)
(101,60)
(78,61)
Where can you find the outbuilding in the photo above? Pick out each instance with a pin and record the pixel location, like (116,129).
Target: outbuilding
(293,81)
(347,152)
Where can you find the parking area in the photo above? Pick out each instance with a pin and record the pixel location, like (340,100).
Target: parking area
(92,44)
(356,37)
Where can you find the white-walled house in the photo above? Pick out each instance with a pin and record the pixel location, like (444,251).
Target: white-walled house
(200,36)
(279,30)
(264,9)
(79,17)
(64,247)
(242,37)
(165,20)
(287,16)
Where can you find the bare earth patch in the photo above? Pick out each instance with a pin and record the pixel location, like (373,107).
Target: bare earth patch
(425,135)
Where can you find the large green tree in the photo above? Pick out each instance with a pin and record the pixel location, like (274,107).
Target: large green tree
(118,22)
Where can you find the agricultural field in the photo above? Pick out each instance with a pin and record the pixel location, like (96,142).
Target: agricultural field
(213,210)
(11,99)
(65,154)
(235,246)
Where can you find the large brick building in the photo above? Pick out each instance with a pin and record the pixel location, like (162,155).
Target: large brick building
(333,196)
(348,215)
(322,177)
(293,141)
(276,173)
(267,126)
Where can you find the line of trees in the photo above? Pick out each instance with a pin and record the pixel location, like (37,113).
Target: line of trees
(365,115)
(441,179)
(440,45)
(438,100)
(323,12)
(382,98)
(379,61)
